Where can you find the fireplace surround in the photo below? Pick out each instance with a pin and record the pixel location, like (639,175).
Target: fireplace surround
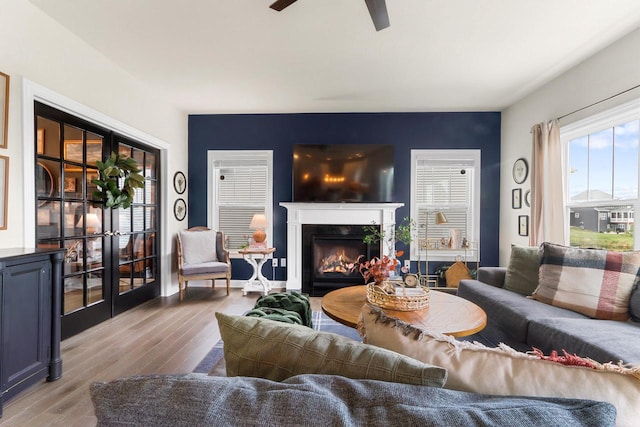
(343,214)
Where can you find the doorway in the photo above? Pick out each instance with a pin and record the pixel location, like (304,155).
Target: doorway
(112,261)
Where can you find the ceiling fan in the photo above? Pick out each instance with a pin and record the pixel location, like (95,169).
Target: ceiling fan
(377,10)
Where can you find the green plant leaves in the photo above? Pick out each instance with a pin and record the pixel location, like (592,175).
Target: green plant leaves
(115,168)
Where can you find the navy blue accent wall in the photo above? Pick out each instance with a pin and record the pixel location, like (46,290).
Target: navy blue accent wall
(406,131)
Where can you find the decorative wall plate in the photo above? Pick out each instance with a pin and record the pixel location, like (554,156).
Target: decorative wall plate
(520,170)
(179,182)
(180,209)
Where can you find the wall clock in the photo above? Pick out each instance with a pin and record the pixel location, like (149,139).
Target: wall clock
(520,170)
(180,209)
(179,182)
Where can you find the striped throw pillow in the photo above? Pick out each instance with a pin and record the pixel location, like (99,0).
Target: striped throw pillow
(594,282)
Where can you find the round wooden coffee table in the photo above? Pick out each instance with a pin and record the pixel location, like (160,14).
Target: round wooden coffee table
(446,313)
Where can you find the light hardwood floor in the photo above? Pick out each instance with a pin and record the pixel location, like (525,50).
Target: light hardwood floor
(163,336)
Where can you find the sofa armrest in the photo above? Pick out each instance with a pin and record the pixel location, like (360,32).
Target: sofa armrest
(493,276)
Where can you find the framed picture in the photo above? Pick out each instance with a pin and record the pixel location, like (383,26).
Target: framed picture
(4,109)
(69,185)
(73,153)
(179,182)
(523,225)
(520,171)
(180,209)
(516,198)
(40,141)
(4,189)
(527,197)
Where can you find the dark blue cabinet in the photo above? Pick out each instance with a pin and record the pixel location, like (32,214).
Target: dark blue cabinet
(30,291)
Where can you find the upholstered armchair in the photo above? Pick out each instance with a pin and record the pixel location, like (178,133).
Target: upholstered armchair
(202,256)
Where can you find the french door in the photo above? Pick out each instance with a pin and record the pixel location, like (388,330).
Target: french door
(112,262)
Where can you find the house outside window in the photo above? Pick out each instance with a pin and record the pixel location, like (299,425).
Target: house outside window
(602,178)
(240,184)
(446,181)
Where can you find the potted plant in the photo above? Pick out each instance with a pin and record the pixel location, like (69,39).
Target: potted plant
(378,269)
(401,233)
(112,170)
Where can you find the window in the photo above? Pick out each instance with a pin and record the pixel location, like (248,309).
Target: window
(602,178)
(240,185)
(446,181)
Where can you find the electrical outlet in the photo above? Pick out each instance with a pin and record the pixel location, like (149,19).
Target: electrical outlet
(283,262)
(407,263)
(274,262)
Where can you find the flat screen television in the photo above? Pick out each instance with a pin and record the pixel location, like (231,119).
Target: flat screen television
(343,173)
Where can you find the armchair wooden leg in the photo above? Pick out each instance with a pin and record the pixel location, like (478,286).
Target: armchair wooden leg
(180,287)
(228,285)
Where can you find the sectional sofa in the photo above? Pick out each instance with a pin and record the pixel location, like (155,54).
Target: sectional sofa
(283,374)
(522,322)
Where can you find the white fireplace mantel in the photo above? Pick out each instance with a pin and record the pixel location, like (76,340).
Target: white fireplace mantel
(383,214)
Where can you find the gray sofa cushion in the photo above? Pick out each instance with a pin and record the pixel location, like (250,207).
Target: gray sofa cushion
(493,276)
(205,267)
(522,273)
(323,400)
(509,311)
(600,340)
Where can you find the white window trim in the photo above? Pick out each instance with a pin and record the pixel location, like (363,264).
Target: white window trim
(612,117)
(216,155)
(474,215)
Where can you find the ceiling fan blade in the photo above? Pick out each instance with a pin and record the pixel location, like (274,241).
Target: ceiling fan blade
(378,12)
(281,4)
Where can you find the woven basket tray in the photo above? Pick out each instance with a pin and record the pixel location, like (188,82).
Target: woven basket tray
(403,300)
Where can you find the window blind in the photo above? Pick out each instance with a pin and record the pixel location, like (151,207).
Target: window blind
(241,192)
(444,187)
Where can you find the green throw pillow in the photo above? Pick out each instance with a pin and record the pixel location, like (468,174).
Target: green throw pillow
(522,273)
(256,347)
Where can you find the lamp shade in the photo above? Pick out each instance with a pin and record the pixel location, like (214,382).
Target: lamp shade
(441,218)
(259,223)
(93,222)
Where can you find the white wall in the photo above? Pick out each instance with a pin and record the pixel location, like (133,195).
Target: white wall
(611,71)
(35,48)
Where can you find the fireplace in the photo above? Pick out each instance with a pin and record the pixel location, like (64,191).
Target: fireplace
(300,215)
(328,256)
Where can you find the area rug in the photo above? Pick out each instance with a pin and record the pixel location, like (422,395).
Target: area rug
(321,322)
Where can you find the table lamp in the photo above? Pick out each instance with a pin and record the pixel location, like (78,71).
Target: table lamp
(93,223)
(259,223)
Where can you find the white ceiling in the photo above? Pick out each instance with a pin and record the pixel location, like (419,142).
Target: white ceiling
(239,56)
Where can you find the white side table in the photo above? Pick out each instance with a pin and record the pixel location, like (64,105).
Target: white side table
(256,257)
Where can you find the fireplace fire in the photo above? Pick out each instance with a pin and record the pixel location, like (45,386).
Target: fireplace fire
(335,258)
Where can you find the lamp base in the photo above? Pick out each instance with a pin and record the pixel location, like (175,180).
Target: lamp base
(259,236)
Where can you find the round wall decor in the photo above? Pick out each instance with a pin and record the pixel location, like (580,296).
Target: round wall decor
(520,170)
(180,209)
(179,182)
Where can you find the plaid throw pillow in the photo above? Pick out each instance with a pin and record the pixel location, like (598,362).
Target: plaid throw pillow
(596,283)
